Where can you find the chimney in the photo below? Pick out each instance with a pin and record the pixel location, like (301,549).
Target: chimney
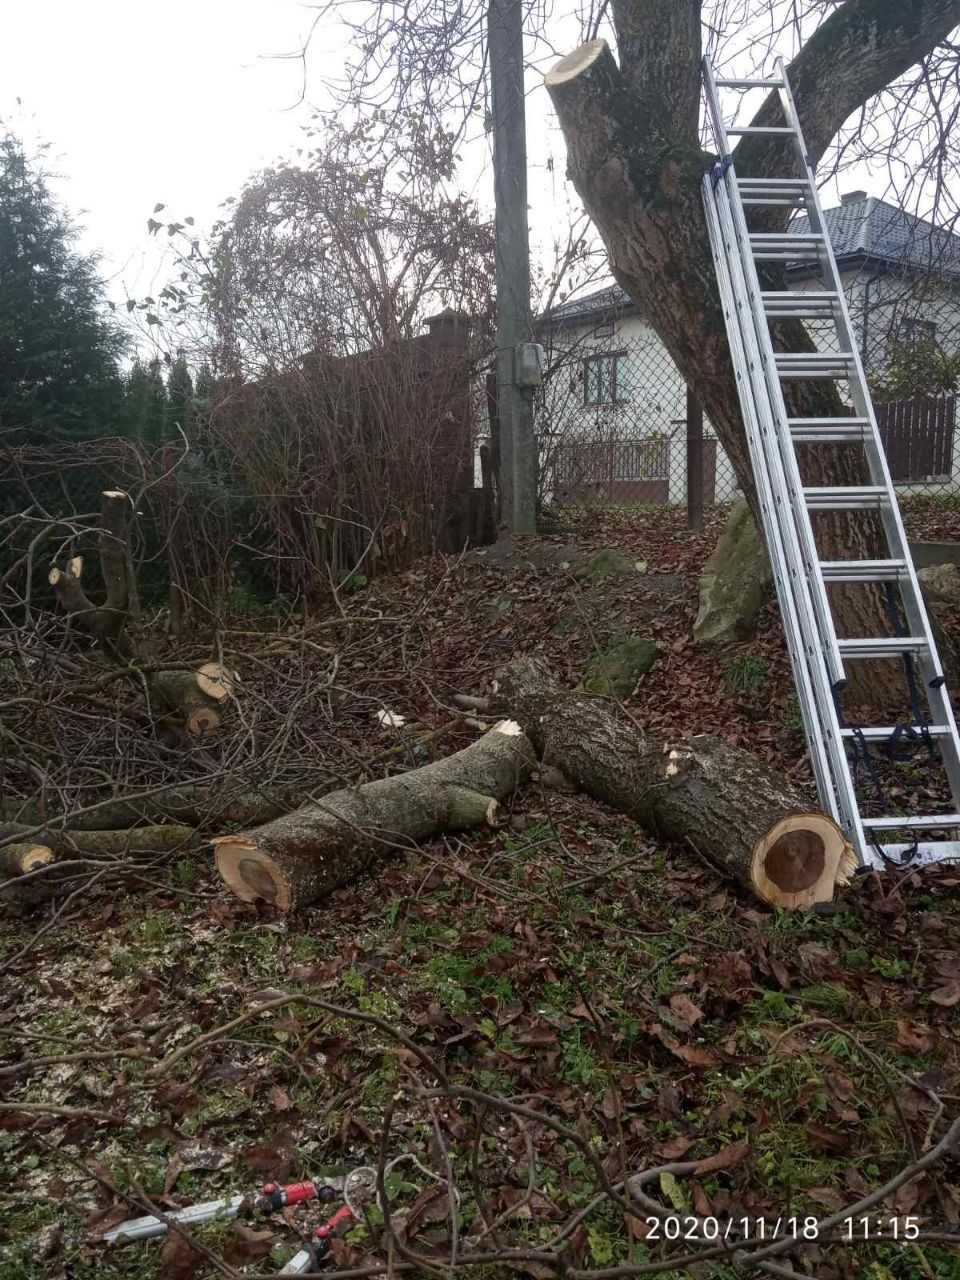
(449,328)
(853,197)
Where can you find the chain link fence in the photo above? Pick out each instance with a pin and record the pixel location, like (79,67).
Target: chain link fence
(612,422)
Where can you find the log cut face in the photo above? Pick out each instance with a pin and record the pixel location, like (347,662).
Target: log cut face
(758,829)
(749,822)
(306,854)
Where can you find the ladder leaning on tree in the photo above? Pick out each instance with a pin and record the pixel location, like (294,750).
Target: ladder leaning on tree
(838,751)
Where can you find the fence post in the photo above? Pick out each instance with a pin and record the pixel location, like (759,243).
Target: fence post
(694,462)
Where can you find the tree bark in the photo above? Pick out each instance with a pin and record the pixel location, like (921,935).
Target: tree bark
(46,850)
(750,823)
(196,805)
(305,855)
(186,700)
(634,157)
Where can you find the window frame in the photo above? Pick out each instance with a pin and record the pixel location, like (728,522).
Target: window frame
(914,332)
(598,359)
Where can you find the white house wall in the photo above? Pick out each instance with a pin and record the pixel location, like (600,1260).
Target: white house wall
(654,405)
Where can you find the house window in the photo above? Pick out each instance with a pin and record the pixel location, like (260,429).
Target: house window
(601,379)
(604,329)
(917,332)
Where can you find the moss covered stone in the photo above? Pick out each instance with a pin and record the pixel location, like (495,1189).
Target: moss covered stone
(610,563)
(615,670)
(736,581)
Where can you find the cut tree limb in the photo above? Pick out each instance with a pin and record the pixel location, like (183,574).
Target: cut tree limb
(750,823)
(46,850)
(192,700)
(306,854)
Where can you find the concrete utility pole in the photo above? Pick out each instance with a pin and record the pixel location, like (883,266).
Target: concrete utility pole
(518,450)
(694,463)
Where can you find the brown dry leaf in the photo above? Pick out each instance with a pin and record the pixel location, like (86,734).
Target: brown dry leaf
(827,1197)
(637,1227)
(684,1008)
(612,1105)
(726,1158)
(688,1053)
(915,1035)
(947,996)
(246,1244)
(280,1099)
(702,1203)
(674,1149)
(178,1258)
(910,1194)
(823,1139)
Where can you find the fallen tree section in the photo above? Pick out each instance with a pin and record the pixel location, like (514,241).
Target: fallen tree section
(35,863)
(748,821)
(304,855)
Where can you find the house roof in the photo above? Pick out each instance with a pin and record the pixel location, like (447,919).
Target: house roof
(603,301)
(873,230)
(867,230)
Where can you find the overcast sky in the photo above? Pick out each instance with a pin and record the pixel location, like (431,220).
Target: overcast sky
(181,101)
(176,102)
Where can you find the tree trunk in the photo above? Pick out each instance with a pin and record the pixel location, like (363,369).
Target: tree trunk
(753,825)
(634,156)
(305,855)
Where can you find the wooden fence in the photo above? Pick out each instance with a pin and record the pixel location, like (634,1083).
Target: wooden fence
(917,437)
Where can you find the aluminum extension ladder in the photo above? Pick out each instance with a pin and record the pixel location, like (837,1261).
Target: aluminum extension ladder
(837,750)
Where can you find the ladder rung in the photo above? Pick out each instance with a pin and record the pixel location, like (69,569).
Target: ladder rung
(799,364)
(785,237)
(922,822)
(827,430)
(862,570)
(762,130)
(882,733)
(747,184)
(864,497)
(749,84)
(881,647)
(799,306)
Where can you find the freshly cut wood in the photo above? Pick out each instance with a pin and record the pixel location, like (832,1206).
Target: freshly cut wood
(306,854)
(748,821)
(21,859)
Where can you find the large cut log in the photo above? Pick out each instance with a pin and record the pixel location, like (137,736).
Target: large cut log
(306,854)
(748,821)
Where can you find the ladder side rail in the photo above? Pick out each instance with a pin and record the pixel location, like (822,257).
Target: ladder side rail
(806,548)
(798,650)
(937,693)
(803,527)
(837,793)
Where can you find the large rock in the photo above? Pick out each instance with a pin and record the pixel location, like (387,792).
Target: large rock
(941,584)
(610,563)
(614,672)
(735,583)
